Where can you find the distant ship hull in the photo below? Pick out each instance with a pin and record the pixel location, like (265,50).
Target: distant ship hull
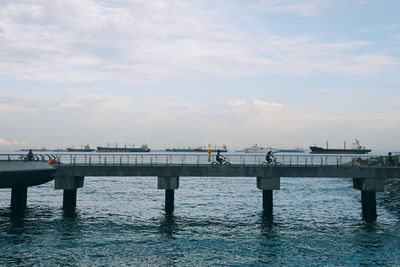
(122,149)
(320,150)
(80,149)
(290,151)
(193,150)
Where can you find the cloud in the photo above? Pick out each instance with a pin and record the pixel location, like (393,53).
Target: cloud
(4,142)
(145,42)
(302,8)
(266,105)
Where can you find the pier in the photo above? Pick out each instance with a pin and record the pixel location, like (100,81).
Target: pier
(70,171)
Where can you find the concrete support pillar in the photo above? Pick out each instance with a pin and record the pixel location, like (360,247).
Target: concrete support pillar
(169,200)
(268,202)
(368,188)
(70,186)
(169,183)
(368,203)
(267,185)
(19,198)
(69,199)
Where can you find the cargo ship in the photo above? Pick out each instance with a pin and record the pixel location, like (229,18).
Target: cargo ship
(82,149)
(356,149)
(142,148)
(197,149)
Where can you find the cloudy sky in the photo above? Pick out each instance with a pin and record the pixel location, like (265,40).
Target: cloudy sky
(168,73)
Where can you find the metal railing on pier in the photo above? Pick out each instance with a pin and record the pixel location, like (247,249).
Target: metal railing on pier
(161,158)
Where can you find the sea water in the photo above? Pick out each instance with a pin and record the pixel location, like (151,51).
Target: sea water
(120,221)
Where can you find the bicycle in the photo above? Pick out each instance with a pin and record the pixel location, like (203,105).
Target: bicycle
(222,162)
(274,162)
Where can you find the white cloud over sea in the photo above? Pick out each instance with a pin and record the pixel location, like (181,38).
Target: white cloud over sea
(275,72)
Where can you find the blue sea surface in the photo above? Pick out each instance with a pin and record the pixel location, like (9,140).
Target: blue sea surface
(120,221)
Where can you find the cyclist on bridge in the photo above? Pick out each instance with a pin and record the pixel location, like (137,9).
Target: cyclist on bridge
(269,157)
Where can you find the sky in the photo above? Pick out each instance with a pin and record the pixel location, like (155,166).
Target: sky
(172,73)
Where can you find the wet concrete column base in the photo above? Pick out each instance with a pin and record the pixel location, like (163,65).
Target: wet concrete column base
(267,185)
(368,203)
(368,188)
(19,198)
(267,199)
(70,185)
(169,200)
(69,199)
(169,183)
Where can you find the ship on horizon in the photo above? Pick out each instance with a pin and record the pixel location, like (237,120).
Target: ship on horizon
(258,149)
(86,148)
(198,149)
(293,150)
(142,148)
(356,149)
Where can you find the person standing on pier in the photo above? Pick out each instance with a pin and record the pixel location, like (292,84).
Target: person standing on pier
(30,155)
(390,159)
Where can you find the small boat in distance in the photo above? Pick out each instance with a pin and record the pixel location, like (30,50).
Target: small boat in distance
(142,148)
(197,149)
(356,149)
(82,149)
(257,149)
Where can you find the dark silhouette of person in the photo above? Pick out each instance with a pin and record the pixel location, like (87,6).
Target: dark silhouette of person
(219,158)
(269,156)
(390,159)
(30,155)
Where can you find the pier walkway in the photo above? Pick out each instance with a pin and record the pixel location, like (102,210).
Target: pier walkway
(368,173)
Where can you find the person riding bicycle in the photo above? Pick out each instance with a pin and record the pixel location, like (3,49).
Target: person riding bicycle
(219,157)
(269,157)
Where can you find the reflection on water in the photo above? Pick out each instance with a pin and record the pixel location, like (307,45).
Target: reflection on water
(120,221)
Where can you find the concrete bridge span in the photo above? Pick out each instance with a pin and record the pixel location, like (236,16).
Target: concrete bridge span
(367,179)
(70,170)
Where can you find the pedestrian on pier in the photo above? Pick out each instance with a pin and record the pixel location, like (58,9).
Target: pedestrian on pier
(390,159)
(30,155)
